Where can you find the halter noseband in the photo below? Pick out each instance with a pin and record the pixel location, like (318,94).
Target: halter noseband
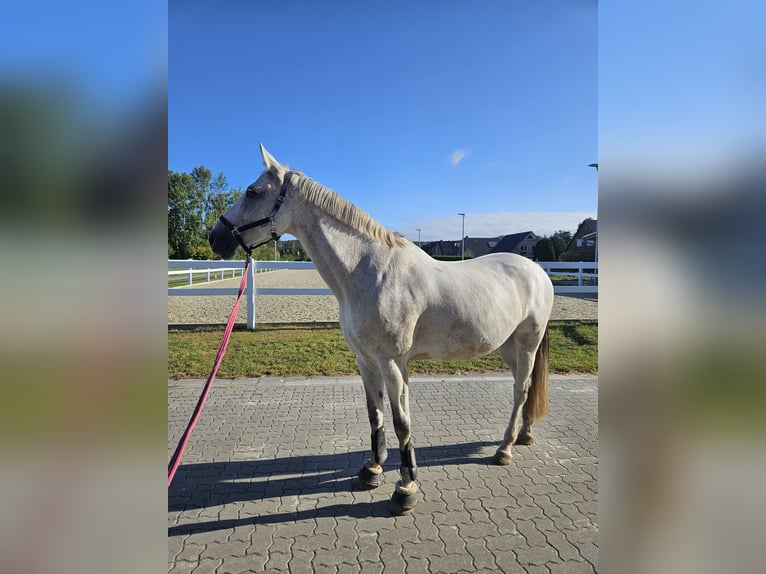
(236,231)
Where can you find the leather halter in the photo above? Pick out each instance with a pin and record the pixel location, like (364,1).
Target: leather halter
(236,231)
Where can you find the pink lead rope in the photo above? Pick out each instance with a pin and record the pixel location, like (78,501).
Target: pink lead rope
(176,459)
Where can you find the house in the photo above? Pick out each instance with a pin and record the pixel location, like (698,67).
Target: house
(521,243)
(441,248)
(584,243)
(474,246)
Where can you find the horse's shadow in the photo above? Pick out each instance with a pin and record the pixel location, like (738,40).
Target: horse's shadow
(202,485)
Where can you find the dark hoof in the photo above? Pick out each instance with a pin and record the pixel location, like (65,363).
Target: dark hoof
(367,479)
(525,439)
(402,504)
(502,458)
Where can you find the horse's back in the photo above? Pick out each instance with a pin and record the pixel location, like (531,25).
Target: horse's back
(507,278)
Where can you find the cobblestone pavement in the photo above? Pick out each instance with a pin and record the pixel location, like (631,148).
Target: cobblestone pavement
(265,484)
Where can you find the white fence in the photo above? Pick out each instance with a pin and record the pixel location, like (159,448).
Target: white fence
(210,274)
(586,277)
(585,272)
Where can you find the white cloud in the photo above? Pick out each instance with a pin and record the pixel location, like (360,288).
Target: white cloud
(457,156)
(495,224)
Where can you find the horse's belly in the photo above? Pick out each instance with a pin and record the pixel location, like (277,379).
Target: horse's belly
(453,346)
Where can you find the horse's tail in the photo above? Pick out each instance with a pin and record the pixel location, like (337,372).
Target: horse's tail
(536,406)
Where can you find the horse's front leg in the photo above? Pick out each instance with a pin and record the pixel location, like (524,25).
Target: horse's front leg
(394,374)
(371,474)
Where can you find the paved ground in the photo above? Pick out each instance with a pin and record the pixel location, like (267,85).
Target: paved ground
(265,482)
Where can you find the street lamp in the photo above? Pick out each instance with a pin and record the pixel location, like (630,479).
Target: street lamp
(462,249)
(418,230)
(596,256)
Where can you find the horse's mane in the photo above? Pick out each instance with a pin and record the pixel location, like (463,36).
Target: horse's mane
(346,212)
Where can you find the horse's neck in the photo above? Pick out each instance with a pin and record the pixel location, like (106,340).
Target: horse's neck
(339,252)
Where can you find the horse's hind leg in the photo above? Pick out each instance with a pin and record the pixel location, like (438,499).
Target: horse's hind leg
(371,474)
(519,352)
(395,376)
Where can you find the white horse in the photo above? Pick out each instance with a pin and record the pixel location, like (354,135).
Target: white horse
(397,304)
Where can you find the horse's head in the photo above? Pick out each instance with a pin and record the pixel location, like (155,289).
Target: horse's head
(257,217)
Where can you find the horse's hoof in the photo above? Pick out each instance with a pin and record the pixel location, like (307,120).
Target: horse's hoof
(368,478)
(404,499)
(525,439)
(502,458)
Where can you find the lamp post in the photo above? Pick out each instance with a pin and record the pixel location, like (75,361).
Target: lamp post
(418,230)
(596,255)
(462,249)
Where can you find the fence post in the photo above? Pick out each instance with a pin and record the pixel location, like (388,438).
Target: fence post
(251,296)
(579,275)
(190,275)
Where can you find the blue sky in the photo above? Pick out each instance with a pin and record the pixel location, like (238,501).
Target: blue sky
(681,86)
(414,111)
(113,55)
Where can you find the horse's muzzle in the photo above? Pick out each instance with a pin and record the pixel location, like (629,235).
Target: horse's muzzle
(222,242)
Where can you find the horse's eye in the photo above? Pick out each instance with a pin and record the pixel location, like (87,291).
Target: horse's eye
(251,191)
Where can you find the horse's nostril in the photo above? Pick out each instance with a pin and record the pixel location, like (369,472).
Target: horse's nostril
(210,239)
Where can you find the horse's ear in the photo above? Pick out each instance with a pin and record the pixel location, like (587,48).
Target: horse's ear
(268,160)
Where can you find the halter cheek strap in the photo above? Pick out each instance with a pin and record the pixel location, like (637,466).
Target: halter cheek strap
(270,219)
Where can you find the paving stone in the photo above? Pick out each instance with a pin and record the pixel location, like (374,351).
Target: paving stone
(537,555)
(371,568)
(182,567)
(257,559)
(207,565)
(451,563)
(589,551)
(507,562)
(571,567)
(480,530)
(423,550)
(453,543)
(397,536)
(482,557)
(190,552)
(531,533)
(225,550)
(566,550)
(283,545)
(367,547)
(238,565)
(277,562)
(175,545)
(335,556)
(392,560)
(265,483)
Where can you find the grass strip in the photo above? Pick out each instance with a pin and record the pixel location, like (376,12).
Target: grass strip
(319,350)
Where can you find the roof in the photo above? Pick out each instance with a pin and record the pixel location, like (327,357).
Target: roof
(481,245)
(586,227)
(509,242)
(478,246)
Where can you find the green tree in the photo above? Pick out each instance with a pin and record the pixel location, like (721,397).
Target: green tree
(195,201)
(560,240)
(544,250)
(185,214)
